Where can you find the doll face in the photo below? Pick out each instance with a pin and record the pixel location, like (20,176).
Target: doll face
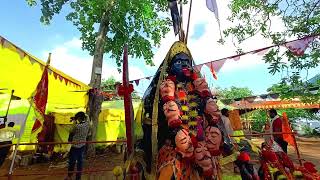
(167,88)
(171,110)
(203,156)
(211,106)
(181,66)
(213,138)
(200,85)
(184,143)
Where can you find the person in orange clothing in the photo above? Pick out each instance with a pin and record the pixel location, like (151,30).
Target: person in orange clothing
(276,127)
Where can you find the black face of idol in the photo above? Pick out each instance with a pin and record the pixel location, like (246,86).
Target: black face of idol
(181,66)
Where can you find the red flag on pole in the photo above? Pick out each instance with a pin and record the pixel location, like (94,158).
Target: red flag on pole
(39,99)
(287,129)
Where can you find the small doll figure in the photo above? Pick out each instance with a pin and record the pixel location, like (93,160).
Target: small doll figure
(247,170)
(184,144)
(172,113)
(201,87)
(213,138)
(167,89)
(204,161)
(212,112)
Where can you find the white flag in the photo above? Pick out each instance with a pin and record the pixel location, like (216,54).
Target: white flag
(212,6)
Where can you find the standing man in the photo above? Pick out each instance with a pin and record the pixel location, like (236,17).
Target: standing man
(226,121)
(6,136)
(276,127)
(79,133)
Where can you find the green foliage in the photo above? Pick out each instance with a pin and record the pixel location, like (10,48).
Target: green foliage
(108,84)
(308,131)
(301,18)
(228,94)
(259,116)
(136,23)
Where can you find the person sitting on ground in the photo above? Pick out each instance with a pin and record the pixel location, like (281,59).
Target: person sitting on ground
(79,133)
(276,127)
(6,136)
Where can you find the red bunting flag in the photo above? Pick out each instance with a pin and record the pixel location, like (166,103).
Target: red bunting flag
(39,101)
(298,47)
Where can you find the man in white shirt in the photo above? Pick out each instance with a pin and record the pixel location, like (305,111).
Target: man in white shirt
(7,134)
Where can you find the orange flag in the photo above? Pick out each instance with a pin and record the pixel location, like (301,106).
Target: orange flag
(287,129)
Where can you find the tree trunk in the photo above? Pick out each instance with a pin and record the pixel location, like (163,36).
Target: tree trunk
(95,100)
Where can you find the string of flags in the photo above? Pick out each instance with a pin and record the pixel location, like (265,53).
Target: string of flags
(296,47)
(7,44)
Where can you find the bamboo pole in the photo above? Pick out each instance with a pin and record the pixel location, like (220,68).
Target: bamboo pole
(18,143)
(190,7)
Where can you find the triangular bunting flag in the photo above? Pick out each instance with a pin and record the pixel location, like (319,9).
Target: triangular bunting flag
(55,75)
(1,41)
(6,44)
(66,81)
(261,52)
(41,67)
(49,71)
(60,78)
(214,74)
(298,47)
(21,53)
(148,77)
(32,61)
(137,82)
(217,65)
(236,58)
(198,67)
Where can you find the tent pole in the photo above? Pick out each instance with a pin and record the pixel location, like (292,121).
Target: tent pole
(6,116)
(17,146)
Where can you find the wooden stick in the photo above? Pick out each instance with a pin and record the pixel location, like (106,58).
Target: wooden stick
(55,143)
(261,134)
(186,40)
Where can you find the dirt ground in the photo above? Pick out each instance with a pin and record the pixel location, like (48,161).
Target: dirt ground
(309,150)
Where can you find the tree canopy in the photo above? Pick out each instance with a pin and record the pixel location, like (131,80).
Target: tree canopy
(300,18)
(234,92)
(136,23)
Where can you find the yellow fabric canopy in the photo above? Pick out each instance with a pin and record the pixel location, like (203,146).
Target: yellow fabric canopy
(21,72)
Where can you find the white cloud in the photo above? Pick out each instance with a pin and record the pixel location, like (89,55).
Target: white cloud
(72,60)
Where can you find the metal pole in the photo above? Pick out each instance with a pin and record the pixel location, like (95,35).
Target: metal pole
(18,143)
(5,117)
